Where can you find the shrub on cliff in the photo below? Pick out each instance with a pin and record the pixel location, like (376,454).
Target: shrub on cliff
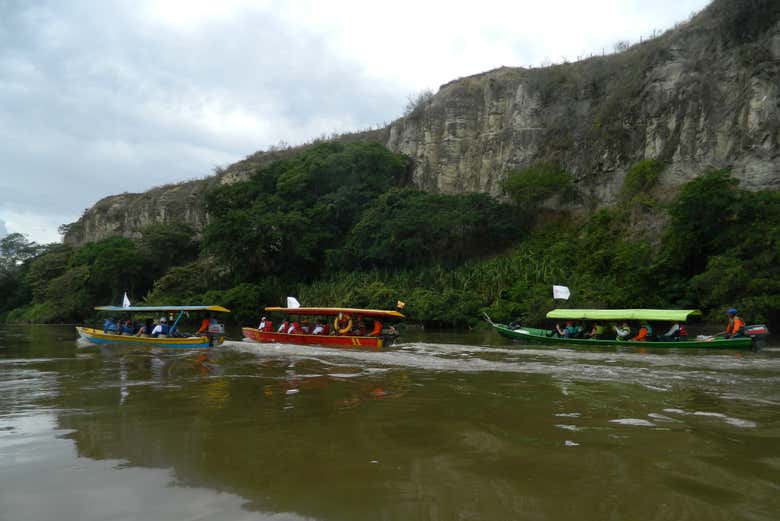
(530,187)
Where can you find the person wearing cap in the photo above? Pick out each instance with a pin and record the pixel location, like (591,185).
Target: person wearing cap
(261,325)
(736,326)
(161,329)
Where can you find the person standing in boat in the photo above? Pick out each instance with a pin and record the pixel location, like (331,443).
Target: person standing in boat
(736,326)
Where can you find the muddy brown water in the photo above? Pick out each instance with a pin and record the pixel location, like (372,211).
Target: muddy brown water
(443,426)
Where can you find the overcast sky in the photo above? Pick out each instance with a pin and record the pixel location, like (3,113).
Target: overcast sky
(101,97)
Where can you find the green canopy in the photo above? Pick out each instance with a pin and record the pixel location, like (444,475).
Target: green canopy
(672,315)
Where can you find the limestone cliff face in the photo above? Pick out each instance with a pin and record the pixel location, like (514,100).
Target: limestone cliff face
(697,98)
(127,214)
(704,95)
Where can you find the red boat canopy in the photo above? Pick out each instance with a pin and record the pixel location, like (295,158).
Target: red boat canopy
(336,311)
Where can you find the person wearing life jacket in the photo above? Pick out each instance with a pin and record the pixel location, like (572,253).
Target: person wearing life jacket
(268,327)
(568,331)
(261,325)
(161,329)
(110,326)
(342,324)
(736,326)
(285,325)
(377,330)
(295,328)
(205,323)
(675,332)
(622,332)
(645,332)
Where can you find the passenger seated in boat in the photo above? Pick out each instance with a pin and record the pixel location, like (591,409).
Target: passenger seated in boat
(676,332)
(735,327)
(110,326)
(262,324)
(319,327)
(377,330)
(342,324)
(204,325)
(645,333)
(294,329)
(146,329)
(284,327)
(566,332)
(623,332)
(305,326)
(597,331)
(161,329)
(126,327)
(269,326)
(360,328)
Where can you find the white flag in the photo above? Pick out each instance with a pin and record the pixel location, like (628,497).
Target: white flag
(125,301)
(561,292)
(292,302)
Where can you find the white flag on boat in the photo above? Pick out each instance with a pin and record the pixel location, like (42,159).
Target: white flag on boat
(125,301)
(561,292)
(292,302)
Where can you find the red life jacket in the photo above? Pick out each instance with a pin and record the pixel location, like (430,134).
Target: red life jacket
(269,326)
(682,331)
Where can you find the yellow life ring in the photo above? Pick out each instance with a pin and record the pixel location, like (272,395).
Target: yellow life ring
(344,330)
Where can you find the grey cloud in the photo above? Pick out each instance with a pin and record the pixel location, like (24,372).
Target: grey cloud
(95,102)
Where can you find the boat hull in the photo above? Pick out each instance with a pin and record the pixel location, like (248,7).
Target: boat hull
(539,336)
(342,342)
(97,336)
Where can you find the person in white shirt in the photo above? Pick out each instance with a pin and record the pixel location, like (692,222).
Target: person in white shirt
(161,329)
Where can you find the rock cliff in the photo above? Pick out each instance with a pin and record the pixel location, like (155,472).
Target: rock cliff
(704,95)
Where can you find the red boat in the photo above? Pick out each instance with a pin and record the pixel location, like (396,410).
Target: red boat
(339,331)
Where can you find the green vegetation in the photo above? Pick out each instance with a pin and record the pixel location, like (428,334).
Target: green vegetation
(530,187)
(337,225)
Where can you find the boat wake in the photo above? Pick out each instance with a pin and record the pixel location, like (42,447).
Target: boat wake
(737,376)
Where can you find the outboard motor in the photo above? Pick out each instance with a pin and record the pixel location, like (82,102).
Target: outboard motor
(758,333)
(215,330)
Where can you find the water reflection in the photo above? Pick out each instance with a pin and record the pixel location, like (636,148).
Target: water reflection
(429,431)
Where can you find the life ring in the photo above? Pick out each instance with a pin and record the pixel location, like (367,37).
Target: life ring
(342,330)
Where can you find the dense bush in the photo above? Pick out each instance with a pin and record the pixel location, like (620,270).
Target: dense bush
(282,220)
(530,187)
(407,227)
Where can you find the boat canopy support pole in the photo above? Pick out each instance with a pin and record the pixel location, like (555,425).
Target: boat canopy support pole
(176,322)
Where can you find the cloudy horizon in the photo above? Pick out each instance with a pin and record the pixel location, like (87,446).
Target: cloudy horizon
(99,98)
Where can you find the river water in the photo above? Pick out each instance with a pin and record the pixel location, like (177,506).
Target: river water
(442,427)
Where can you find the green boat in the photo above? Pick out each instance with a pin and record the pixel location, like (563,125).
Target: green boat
(545,336)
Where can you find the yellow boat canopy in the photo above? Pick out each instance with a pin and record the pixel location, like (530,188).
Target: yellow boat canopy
(163,308)
(336,311)
(672,315)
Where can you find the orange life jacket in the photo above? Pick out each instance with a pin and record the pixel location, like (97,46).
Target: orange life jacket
(735,326)
(642,336)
